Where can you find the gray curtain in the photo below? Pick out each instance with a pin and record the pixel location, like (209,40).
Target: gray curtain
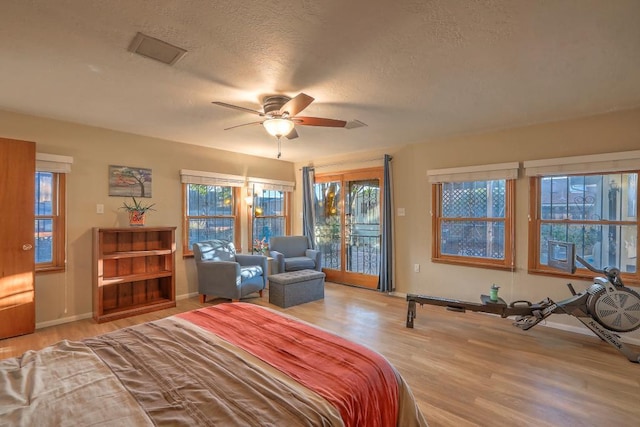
(385,279)
(308,211)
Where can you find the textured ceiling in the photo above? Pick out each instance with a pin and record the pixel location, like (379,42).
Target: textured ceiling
(413,70)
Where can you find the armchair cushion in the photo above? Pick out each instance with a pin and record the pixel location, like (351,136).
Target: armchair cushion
(299,263)
(250,272)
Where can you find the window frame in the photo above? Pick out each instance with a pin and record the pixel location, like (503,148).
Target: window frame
(235,191)
(536,221)
(508,263)
(58,227)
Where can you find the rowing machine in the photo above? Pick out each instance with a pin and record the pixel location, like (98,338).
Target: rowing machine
(606,307)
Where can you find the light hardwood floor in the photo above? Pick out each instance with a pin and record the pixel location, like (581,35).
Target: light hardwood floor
(465,369)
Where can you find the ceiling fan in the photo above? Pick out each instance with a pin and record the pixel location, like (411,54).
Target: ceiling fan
(280,114)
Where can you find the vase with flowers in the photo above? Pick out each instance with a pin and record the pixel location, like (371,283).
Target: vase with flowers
(137,211)
(261,246)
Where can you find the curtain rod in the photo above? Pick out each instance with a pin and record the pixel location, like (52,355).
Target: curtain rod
(346,162)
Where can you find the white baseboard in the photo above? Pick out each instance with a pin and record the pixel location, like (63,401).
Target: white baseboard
(69,319)
(397,294)
(186,296)
(62,320)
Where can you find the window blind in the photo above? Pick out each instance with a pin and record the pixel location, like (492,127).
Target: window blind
(475,173)
(211,178)
(53,163)
(271,184)
(595,163)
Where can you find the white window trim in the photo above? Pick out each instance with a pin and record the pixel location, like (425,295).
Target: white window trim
(576,165)
(211,178)
(475,173)
(53,163)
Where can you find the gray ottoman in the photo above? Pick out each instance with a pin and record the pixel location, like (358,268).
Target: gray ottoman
(296,287)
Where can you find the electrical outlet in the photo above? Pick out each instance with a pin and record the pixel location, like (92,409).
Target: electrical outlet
(416,268)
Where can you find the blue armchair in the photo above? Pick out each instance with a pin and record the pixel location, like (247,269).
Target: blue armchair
(224,273)
(292,253)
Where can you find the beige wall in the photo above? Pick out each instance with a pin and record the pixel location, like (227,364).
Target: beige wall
(601,134)
(69,295)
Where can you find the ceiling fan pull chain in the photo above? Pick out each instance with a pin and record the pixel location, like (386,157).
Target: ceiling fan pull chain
(279,153)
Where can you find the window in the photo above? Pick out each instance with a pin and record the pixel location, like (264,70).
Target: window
(211,213)
(591,201)
(597,212)
(270,214)
(49,221)
(211,207)
(270,206)
(473,223)
(473,210)
(49,208)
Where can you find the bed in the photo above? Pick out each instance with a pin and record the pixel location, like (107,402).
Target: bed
(223,365)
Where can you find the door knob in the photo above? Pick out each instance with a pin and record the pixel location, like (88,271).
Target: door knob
(27,247)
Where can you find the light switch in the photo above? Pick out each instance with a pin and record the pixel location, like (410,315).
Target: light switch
(99,208)
(400,211)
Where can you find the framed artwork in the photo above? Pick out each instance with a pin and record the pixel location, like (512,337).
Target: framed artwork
(128,181)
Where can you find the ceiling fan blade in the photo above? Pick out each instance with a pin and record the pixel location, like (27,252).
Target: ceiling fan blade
(236,107)
(244,124)
(296,105)
(293,134)
(319,121)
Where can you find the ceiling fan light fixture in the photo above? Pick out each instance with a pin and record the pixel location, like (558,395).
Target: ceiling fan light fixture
(278,127)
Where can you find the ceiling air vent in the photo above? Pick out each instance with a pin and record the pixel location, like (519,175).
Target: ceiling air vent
(156,49)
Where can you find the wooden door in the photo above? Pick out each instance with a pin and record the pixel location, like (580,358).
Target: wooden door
(17,264)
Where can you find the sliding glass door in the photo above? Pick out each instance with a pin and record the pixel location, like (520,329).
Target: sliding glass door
(348,225)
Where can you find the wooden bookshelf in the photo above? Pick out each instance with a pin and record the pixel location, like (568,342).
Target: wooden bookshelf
(134,271)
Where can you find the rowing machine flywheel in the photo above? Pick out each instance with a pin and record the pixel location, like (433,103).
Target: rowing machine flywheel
(617,310)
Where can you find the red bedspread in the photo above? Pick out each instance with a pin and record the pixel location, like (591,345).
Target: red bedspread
(357,381)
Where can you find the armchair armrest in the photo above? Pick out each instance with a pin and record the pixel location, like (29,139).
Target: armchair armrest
(250,260)
(279,261)
(245,259)
(316,256)
(223,273)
